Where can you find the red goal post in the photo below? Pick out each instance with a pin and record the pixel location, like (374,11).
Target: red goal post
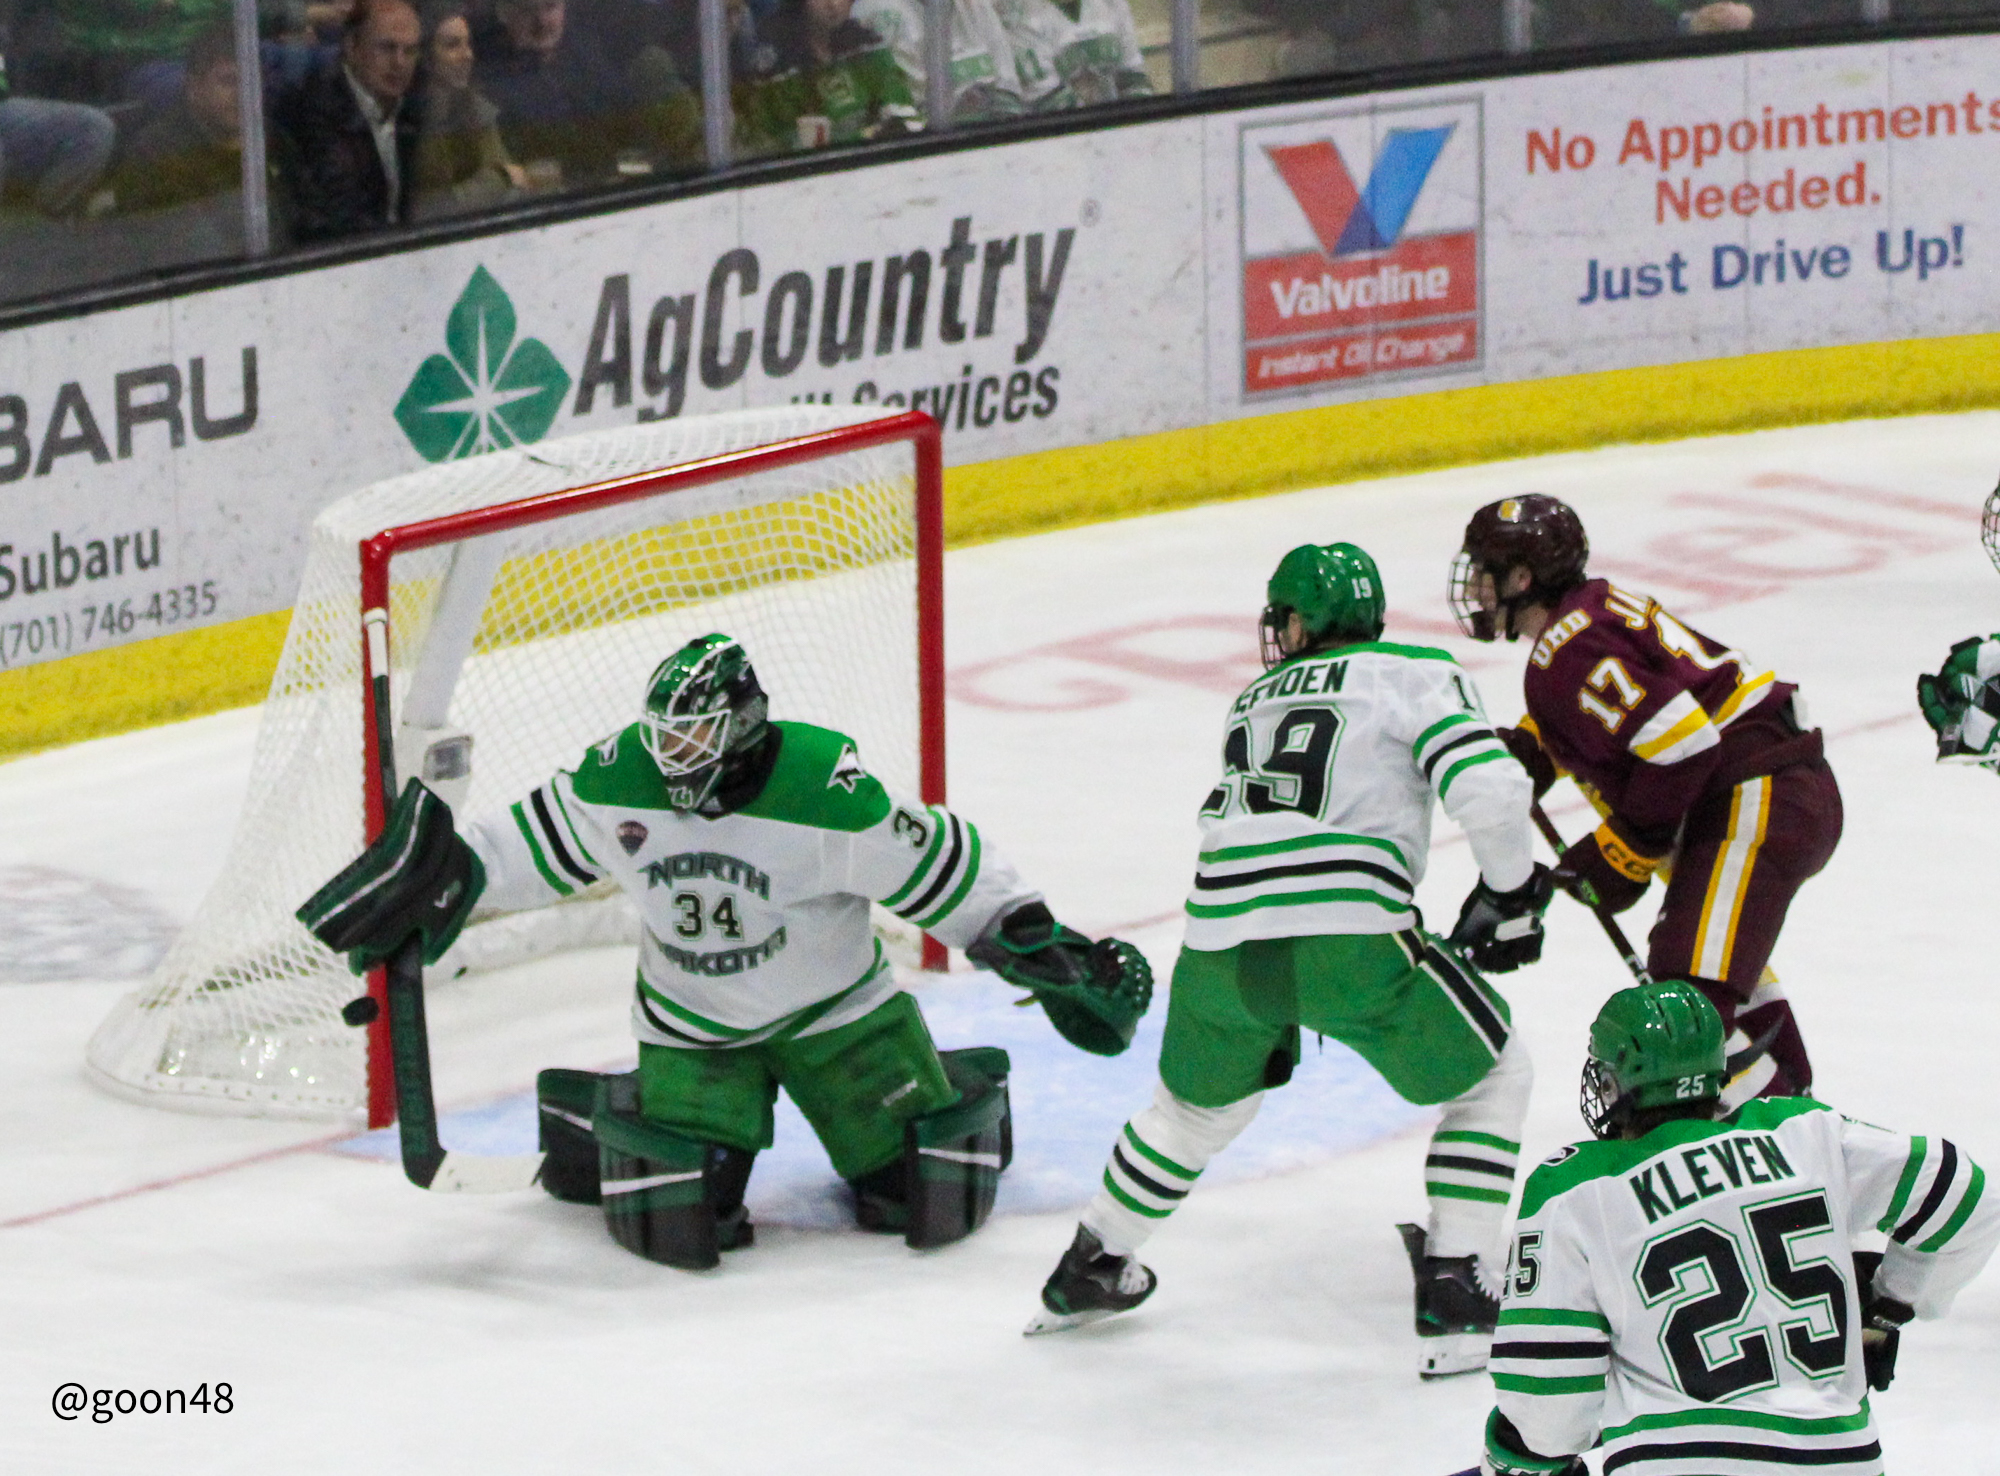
(914,427)
(517,599)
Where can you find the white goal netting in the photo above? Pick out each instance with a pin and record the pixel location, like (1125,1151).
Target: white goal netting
(534,642)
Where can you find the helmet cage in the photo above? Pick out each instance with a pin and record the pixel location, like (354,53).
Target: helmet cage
(1599,1099)
(1461,593)
(1271,627)
(686,744)
(1989,526)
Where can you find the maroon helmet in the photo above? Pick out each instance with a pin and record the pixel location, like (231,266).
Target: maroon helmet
(1536,533)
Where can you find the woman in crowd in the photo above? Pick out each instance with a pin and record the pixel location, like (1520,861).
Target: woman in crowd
(462,163)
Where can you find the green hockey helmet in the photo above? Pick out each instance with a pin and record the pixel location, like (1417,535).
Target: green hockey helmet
(703,704)
(1654,1045)
(1335,590)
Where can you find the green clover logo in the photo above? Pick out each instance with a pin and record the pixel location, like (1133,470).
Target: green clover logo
(486,391)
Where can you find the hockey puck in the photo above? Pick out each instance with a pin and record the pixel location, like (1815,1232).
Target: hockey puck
(361,1011)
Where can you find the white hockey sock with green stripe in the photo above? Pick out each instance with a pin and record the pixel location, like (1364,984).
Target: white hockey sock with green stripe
(1469,1172)
(1158,1156)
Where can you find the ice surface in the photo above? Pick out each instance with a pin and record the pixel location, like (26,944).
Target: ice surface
(367,1327)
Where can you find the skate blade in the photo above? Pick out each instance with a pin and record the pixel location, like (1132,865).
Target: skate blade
(1453,1353)
(1045,1321)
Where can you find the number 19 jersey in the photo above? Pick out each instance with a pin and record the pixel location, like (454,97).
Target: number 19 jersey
(1321,822)
(1691,1296)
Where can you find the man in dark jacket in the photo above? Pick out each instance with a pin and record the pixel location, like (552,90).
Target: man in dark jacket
(567,108)
(347,136)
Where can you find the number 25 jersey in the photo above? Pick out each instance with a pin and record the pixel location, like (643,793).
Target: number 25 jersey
(1691,1295)
(1321,823)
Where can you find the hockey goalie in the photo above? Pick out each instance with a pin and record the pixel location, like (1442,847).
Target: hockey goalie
(752,849)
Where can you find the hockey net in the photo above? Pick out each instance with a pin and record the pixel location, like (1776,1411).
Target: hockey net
(530,593)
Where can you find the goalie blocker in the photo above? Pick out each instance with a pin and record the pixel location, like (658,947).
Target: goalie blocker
(674,1199)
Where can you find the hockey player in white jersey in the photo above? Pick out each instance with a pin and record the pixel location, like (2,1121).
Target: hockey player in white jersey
(753,849)
(1686,1289)
(1302,915)
(1961,700)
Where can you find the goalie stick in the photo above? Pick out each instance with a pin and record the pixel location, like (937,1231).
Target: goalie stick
(1610,924)
(425,1160)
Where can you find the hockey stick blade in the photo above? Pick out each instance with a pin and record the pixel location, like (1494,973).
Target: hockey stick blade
(1604,919)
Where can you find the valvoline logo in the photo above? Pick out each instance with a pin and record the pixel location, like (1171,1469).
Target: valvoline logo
(1343,281)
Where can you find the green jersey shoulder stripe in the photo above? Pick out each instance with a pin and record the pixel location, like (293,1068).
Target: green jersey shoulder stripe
(939,831)
(1438,727)
(1912,1166)
(969,875)
(941,877)
(527,829)
(1961,1214)
(1485,756)
(1484,1140)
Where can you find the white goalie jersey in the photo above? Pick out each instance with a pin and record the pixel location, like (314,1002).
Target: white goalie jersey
(1321,823)
(756,922)
(1691,1298)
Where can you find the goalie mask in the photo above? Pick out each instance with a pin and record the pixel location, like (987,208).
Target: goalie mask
(703,705)
(1536,533)
(1655,1045)
(1335,590)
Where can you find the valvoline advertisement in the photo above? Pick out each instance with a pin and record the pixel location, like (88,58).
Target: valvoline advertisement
(1361,245)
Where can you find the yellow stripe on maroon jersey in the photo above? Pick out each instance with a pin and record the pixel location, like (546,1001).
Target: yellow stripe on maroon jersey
(1729,882)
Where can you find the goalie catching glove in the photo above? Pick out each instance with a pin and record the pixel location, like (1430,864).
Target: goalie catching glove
(1094,993)
(1962,703)
(416,877)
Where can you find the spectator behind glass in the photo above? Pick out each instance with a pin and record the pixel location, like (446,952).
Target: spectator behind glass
(567,111)
(109,51)
(51,153)
(834,82)
(1323,37)
(983,82)
(462,163)
(1605,22)
(1074,53)
(192,149)
(346,137)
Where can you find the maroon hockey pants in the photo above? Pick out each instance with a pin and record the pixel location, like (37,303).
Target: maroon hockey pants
(1743,855)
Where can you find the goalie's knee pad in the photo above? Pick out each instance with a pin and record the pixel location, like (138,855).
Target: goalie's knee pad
(564,1100)
(668,1197)
(953,1157)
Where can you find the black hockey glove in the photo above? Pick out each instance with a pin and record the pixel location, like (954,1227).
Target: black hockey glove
(1500,931)
(1094,993)
(1528,751)
(1882,1320)
(418,877)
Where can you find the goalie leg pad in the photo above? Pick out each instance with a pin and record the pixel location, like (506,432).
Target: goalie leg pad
(564,1100)
(668,1197)
(954,1156)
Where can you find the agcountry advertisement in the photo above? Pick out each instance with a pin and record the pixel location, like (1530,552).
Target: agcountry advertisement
(159,464)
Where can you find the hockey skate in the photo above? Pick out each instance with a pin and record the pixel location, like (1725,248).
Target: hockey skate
(1455,1311)
(1089,1284)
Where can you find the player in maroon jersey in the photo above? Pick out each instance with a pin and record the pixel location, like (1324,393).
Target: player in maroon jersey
(1698,759)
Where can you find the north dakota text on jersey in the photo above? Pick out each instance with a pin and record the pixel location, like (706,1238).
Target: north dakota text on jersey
(690,865)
